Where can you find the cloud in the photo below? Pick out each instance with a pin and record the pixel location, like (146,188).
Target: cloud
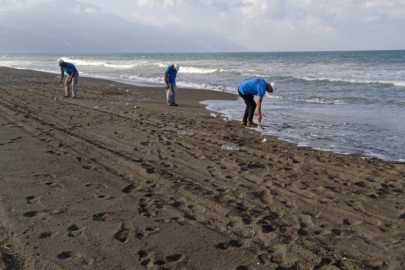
(379,3)
(256,24)
(79,9)
(16,3)
(93,11)
(254,8)
(155,21)
(161,3)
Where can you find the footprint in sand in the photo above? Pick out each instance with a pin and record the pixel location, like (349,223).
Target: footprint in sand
(75,231)
(32,199)
(88,167)
(227,245)
(77,257)
(146,143)
(148,168)
(174,258)
(143,258)
(105,197)
(47,234)
(44,176)
(129,188)
(148,208)
(37,214)
(264,258)
(125,232)
(321,265)
(189,216)
(101,216)
(146,259)
(289,203)
(52,184)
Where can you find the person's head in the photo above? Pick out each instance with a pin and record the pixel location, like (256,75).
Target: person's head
(61,62)
(272,87)
(176,67)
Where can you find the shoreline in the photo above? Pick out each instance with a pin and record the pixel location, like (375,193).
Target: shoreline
(105,182)
(231,96)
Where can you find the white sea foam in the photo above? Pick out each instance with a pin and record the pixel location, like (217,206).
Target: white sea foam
(159,80)
(254,75)
(396,83)
(232,90)
(322,101)
(114,65)
(195,70)
(312,100)
(160,65)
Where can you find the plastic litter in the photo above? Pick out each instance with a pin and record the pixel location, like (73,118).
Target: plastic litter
(260,126)
(264,140)
(213,115)
(230,147)
(97,107)
(225,119)
(185,133)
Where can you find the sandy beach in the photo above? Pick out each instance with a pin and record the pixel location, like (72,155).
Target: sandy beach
(105,182)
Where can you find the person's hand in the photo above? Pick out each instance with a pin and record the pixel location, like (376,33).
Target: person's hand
(167,86)
(259,118)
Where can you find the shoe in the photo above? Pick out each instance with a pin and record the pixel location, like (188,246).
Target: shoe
(74,97)
(251,124)
(170,105)
(244,123)
(175,104)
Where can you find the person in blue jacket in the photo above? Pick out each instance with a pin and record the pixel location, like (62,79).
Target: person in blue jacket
(247,90)
(170,84)
(72,81)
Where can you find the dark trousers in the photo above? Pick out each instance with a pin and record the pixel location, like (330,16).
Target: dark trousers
(250,107)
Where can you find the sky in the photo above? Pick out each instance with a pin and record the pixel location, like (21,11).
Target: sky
(269,25)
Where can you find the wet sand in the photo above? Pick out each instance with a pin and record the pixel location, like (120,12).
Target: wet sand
(105,182)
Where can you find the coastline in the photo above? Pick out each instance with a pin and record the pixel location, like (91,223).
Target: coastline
(105,182)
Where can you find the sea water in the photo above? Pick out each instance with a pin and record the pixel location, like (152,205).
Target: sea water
(346,102)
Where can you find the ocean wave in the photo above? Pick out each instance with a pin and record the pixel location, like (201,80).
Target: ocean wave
(160,65)
(137,78)
(124,65)
(312,100)
(195,70)
(254,75)
(324,79)
(219,88)
(322,101)
(159,80)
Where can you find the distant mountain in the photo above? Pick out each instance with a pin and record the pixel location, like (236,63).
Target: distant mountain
(72,26)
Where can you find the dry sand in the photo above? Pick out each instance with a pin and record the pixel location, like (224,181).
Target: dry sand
(95,183)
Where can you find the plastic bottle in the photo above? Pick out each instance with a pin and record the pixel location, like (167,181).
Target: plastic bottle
(185,133)
(213,115)
(230,147)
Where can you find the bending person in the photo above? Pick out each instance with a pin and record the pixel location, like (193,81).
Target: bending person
(247,90)
(72,81)
(170,84)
